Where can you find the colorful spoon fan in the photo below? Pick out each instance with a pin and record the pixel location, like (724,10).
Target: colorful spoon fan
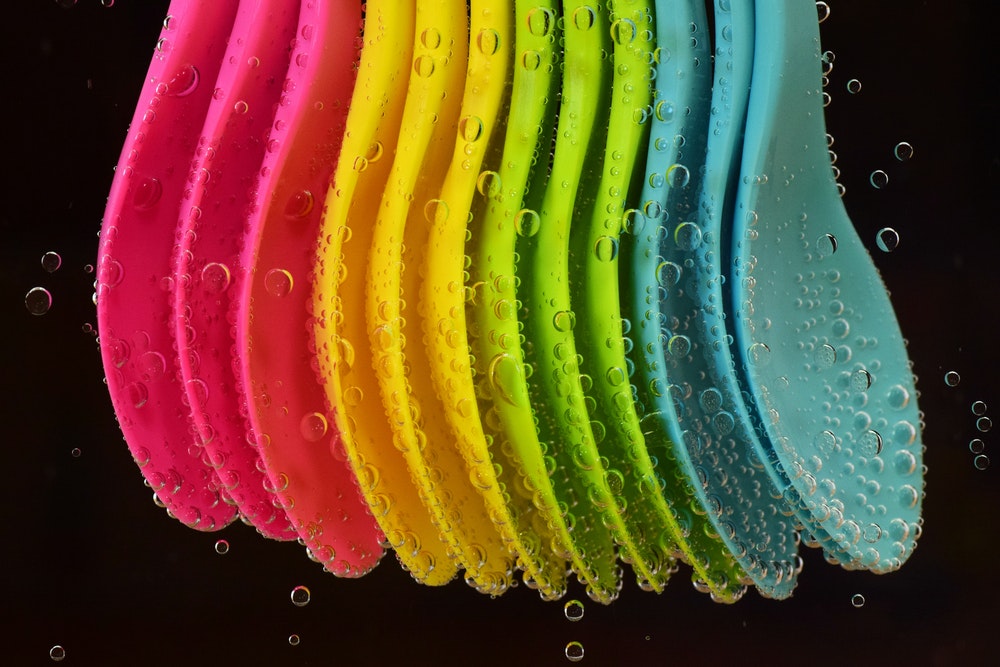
(506,285)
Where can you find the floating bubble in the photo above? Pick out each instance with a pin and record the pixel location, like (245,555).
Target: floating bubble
(887,239)
(879,179)
(858,600)
(222,547)
(57,652)
(823,10)
(903,151)
(984,424)
(573,610)
(952,378)
(293,640)
(51,261)
(978,408)
(854,86)
(75,452)
(574,651)
(981,462)
(38,301)
(976,446)
(300,596)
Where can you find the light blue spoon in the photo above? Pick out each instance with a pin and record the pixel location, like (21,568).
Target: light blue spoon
(822,351)
(711,422)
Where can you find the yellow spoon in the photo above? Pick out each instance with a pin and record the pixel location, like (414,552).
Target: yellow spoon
(394,309)
(343,352)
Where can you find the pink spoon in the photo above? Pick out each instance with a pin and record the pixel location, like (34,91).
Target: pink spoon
(134,278)
(214,211)
(298,439)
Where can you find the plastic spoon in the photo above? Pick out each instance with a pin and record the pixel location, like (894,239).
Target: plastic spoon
(543,541)
(298,439)
(214,210)
(344,355)
(555,385)
(677,145)
(711,420)
(822,350)
(134,270)
(593,280)
(396,305)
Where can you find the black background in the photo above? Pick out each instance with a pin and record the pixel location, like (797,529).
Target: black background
(87,561)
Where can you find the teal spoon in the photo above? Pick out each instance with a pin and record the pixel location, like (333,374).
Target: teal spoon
(821,349)
(677,143)
(711,421)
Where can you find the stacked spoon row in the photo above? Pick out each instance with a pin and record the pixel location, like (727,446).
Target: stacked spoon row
(506,286)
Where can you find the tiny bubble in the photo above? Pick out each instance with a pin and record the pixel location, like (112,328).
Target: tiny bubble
(952,378)
(574,651)
(300,596)
(38,301)
(903,151)
(984,424)
(573,610)
(981,462)
(858,600)
(75,452)
(979,408)
(293,640)
(57,652)
(976,446)
(88,268)
(879,179)
(222,547)
(887,239)
(854,86)
(51,261)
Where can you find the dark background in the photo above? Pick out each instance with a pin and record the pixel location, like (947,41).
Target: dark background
(87,561)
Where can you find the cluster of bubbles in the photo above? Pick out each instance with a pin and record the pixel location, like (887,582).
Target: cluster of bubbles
(983,423)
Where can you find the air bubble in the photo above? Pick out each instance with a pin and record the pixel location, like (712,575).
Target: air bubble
(313,426)
(574,651)
(903,151)
(759,354)
(826,244)
(858,600)
(76,452)
(977,446)
(952,378)
(300,596)
(38,301)
(981,462)
(687,236)
(678,176)
(606,248)
(278,282)
(215,278)
(57,652)
(573,610)
(879,179)
(527,222)
(300,204)
(823,10)
(293,640)
(984,424)
(854,86)
(978,408)
(51,261)
(584,18)
(222,547)
(861,380)
(887,239)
